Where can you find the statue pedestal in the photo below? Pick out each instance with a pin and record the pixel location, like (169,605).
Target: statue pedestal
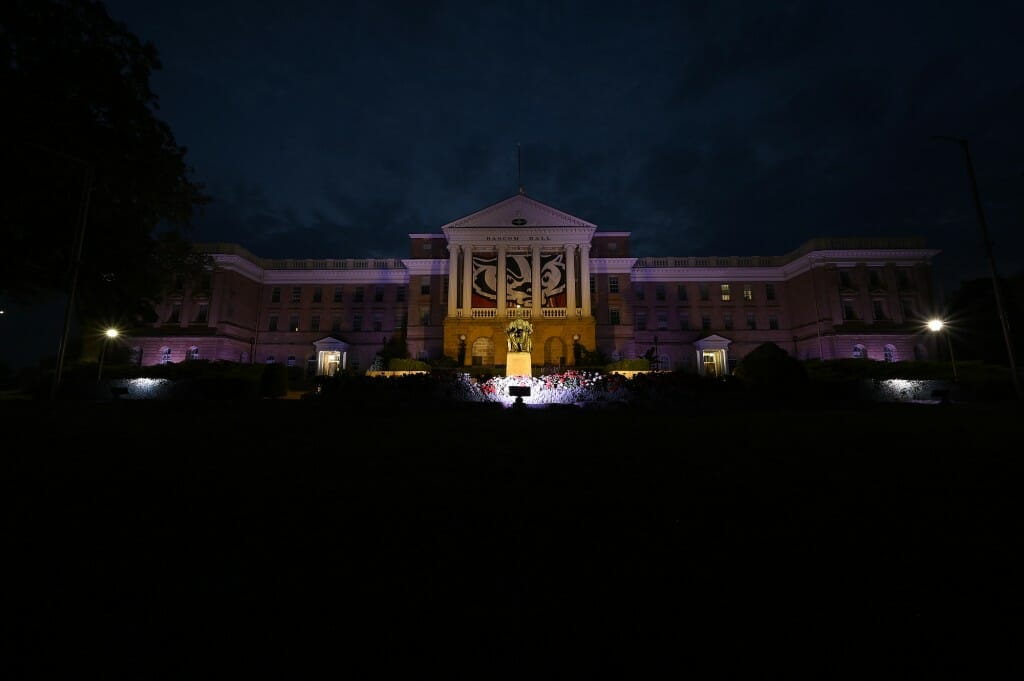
(518,364)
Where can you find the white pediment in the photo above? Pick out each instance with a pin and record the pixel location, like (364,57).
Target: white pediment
(519,211)
(712,342)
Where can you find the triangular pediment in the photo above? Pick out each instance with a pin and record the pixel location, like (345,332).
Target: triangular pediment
(712,342)
(519,211)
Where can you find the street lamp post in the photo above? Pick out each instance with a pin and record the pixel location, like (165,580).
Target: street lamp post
(1004,322)
(109,335)
(937,325)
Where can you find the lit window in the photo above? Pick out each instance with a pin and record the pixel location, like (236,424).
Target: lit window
(165,355)
(748,292)
(726,295)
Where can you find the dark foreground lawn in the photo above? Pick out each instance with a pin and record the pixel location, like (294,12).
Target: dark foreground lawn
(299,540)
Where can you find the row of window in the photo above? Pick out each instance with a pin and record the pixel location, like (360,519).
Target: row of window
(746,292)
(202,313)
(875,280)
(878,309)
(338,294)
(662,323)
(274,322)
(888,352)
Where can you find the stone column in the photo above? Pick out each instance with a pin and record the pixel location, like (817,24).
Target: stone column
(570,280)
(453,279)
(585,277)
(502,282)
(467,281)
(535,280)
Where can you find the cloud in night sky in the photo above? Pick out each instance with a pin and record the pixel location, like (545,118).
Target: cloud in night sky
(707,128)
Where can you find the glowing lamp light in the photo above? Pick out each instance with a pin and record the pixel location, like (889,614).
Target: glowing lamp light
(935,324)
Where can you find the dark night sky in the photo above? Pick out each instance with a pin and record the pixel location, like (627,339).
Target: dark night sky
(334,129)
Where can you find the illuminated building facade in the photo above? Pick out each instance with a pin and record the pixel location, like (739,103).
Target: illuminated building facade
(579,287)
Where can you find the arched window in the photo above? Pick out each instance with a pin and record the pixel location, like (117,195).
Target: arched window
(271,359)
(165,355)
(135,356)
(859,352)
(890,353)
(193,353)
(291,360)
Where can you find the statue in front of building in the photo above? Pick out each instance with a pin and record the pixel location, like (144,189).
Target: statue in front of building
(520,335)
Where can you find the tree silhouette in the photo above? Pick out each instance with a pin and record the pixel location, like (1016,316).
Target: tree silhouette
(85,157)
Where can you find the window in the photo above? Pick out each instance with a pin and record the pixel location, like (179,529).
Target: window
(271,359)
(659,292)
(705,321)
(890,353)
(727,320)
(726,294)
(684,321)
(165,355)
(296,294)
(769,291)
(844,279)
(335,324)
(751,320)
(875,277)
(593,284)
(878,309)
(613,284)
(272,323)
(613,246)
(400,294)
(193,353)
(638,292)
(400,319)
(424,286)
(291,360)
(275,295)
(338,294)
(378,321)
(175,313)
(662,320)
(357,321)
(908,308)
(641,320)
(773,322)
(858,352)
(427,246)
(681,292)
(748,292)
(314,323)
(203,313)
(378,294)
(903,277)
(703,290)
(848,311)
(318,294)
(425,316)
(293,322)
(358,297)
(613,315)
